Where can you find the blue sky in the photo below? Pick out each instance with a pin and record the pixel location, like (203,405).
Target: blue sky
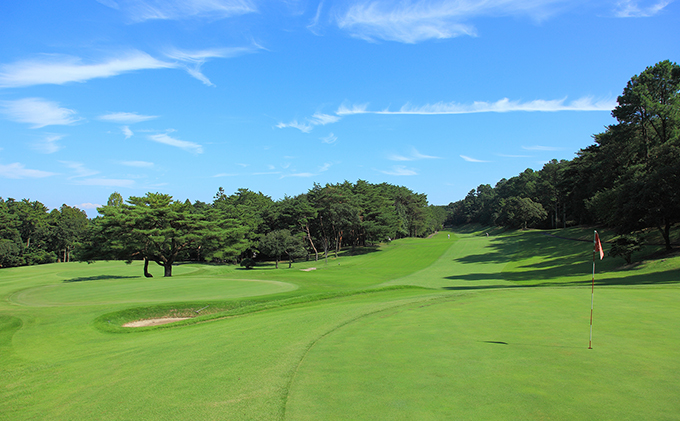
(186,96)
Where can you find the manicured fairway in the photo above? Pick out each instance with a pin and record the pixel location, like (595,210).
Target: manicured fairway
(503,354)
(487,328)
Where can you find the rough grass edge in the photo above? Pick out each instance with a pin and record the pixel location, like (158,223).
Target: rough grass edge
(215,310)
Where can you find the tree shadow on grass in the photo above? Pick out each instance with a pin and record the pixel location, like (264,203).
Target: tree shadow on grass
(539,258)
(669,277)
(98,278)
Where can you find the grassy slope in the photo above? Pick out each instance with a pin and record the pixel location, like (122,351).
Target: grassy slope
(400,354)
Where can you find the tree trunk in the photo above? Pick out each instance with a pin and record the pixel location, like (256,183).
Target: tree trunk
(325,249)
(168,269)
(309,236)
(146,268)
(666,233)
(277,262)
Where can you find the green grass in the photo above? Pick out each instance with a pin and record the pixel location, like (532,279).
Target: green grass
(471,327)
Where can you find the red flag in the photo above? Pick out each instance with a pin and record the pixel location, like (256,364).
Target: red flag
(598,246)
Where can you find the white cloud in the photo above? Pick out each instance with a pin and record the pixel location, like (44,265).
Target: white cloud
(632,8)
(300,174)
(415,155)
(344,110)
(318,119)
(137,164)
(61,69)
(192,61)
(126,118)
(323,119)
(266,173)
(412,21)
(468,159)
(400,170)
(17,171)
(38,112)
(49,144)
(314,23)
(305,128)
(330,139)
(141,10)
(325,167)
(58,69)
(127,132)
(79,169)
(89,206)
(182,144)
(505,105)
(105,182)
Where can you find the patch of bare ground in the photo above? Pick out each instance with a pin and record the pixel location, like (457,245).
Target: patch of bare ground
(154,322)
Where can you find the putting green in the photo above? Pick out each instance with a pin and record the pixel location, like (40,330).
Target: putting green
(520,354)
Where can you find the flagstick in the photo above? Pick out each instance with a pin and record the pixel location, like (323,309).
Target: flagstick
(592,296)
(592,293)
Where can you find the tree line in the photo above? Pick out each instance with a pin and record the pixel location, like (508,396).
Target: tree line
(31,234)
(629,179)
(237,228)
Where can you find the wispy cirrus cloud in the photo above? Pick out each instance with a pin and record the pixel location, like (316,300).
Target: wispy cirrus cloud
(19,171)
(330,139)
(318,119)
(469,159)
(182,144)
(79,169)
(192,61)
(303,127)
(142,10)
(542,148)
(38,112)
(504,105)
(413,156)
(137,164)
(60,69)
(413,21)
(299,174)
(633,8)
(399,170)
(126,118)
(127,132)
(48,144)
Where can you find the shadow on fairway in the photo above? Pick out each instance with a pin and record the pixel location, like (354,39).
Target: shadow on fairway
(670,277)
(98,278)
(534,258)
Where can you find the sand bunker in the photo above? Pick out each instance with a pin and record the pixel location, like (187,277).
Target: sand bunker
(154,322)
(307,270)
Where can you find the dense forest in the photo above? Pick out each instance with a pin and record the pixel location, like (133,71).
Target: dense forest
(232,228)
(629,179)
